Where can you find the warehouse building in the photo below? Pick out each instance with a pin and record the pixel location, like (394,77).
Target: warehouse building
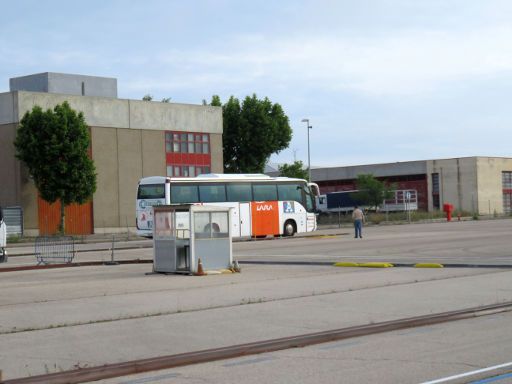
(130,139)
(481,185)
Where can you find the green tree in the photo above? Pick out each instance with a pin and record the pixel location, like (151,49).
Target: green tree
(216,101)
(147,97)
(54,147)
(294,170)
(253,131)
(372,191)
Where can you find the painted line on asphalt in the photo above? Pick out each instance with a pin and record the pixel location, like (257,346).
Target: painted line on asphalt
(466,374)
(491,379)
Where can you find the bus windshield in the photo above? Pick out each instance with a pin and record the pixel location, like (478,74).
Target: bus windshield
(151,191)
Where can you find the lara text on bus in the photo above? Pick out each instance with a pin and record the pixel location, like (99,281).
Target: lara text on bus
(262,205)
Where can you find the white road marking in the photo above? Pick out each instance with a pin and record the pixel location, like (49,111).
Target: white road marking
(455,377)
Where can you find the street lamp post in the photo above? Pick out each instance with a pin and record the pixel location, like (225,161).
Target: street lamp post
(309,158)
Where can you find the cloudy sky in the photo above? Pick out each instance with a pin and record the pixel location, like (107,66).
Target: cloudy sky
(380,80)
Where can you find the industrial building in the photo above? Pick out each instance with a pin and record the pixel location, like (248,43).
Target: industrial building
(480,185)
(130,139)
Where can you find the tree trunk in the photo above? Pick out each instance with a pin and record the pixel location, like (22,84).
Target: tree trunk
(62,225)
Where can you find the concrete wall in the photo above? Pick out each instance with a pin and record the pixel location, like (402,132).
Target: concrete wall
(217,153)
(457,182)
(98,112)
(153,153)
(29,203)
(16,187)
(105,157)
(8,108)
(10,193)
(34,83)
(119,113)
(130,171)
(122,157)
(490,189)
(65,83)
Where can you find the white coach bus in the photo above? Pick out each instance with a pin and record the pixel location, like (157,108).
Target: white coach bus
(263,205)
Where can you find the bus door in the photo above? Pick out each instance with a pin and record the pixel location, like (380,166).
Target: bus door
(235,219)
(240,218)
(245,219)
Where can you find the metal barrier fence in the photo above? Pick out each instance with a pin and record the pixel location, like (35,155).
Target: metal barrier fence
(13,218)
(53,249)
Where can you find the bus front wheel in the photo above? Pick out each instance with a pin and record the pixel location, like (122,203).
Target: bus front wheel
(289,228)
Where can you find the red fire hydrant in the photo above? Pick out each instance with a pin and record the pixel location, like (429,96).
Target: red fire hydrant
(448,209)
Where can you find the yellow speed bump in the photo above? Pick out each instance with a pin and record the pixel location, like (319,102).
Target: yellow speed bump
(428,265)
(346,264)
(366,265)
(376,264)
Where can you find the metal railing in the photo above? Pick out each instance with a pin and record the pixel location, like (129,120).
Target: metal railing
(54,249)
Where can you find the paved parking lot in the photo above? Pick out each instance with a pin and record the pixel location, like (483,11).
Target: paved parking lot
(54,320)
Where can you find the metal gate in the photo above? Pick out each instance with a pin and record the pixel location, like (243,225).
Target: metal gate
(13,218)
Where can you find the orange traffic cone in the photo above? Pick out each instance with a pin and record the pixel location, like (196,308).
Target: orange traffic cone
(200,271)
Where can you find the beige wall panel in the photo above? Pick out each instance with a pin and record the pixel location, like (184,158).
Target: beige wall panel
(175,117)
(98,111)
(29,203)
(490,189)
(105,200)
(9,167)
(16,188)
(458,184)
(130,171)
(153,153)
(217,154)
(7,108)
(120,113)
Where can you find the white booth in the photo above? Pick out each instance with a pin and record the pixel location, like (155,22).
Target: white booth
(183,234)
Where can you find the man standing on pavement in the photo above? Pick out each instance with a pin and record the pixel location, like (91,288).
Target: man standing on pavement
(358,217)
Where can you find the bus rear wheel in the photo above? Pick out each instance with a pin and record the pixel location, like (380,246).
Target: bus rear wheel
(289,228)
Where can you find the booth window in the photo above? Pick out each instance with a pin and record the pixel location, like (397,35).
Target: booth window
(208,225)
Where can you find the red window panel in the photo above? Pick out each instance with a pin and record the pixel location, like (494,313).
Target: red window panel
(187,154)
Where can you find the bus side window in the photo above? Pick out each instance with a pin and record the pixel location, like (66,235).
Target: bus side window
(290,192)
(186,193)
(239,192)
(210,193)
(264,192)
